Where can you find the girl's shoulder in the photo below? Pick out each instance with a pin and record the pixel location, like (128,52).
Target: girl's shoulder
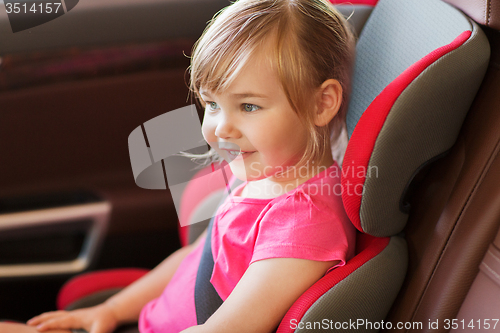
(318,198)
(319,195)
(309,222)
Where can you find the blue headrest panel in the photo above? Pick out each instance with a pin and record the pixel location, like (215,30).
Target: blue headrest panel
(398,34)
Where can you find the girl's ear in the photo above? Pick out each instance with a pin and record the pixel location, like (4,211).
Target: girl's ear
(329,101)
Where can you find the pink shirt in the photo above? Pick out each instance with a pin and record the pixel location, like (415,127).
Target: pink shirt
(308,222)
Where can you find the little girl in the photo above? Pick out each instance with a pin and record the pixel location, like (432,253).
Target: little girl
(273,78)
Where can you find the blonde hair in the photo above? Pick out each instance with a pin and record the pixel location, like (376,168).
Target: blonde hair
(313,43)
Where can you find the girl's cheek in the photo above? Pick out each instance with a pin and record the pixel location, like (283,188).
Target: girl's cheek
(207,131)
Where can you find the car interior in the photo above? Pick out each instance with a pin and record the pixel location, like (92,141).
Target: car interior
(75,222)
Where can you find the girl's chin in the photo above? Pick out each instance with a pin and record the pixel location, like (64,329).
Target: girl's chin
(244,174)
(247,174)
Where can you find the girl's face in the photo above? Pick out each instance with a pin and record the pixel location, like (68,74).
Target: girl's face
(254,114)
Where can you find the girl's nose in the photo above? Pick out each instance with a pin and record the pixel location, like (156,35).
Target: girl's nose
(225,128)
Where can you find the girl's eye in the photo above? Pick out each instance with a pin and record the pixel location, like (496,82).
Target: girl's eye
(250,107)
(212,106)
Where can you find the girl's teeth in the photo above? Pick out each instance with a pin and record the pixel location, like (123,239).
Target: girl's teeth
(235,153)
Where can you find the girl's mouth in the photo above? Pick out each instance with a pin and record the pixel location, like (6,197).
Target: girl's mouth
(230,151)
(236,153)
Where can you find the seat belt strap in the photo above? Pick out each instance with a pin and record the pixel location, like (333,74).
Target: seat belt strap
(206,298)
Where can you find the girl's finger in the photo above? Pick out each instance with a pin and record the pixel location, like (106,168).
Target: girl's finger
(44,316)
(50,314)
(64,322)
(34,321)
(97,328)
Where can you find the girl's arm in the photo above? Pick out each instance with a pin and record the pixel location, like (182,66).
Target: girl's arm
(264,294)
(123,307)
(128,303)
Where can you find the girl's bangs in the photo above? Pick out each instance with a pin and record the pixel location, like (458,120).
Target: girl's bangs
(218,67)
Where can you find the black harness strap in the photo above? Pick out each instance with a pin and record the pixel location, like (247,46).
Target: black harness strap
(206,298)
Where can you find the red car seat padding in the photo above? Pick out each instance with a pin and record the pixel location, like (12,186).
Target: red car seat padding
(369,248)
(95,282)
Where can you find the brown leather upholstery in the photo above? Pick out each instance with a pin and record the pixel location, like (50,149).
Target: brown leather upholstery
(485,12)
(456,213)
(483,300)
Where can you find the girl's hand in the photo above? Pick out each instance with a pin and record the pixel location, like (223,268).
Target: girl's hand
(97,319)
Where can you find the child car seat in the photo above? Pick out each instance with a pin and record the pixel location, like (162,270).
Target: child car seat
(418,67)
